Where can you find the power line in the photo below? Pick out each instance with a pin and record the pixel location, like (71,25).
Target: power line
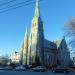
(5,3)
(18,6)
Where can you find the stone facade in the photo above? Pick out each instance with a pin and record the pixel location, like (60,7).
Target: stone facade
(50,53)
(36,50)
(63,53)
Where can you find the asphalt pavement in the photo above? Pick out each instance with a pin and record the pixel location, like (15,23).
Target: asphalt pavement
(2,72)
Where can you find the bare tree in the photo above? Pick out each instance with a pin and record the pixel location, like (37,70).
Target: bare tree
(70,32)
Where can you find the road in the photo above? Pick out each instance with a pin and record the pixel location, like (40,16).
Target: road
(30,73)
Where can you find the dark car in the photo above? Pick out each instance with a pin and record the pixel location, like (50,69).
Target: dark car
(61,70)
(39,69)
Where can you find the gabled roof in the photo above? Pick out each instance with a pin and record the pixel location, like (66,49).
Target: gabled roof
(49,44)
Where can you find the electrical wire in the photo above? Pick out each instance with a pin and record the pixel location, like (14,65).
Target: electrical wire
(24,4)
(5,3)
(16,4)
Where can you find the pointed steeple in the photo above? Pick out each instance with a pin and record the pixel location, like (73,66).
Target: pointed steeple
(37,37)
(25,51)
(26,33)
(37,11)
(21,52)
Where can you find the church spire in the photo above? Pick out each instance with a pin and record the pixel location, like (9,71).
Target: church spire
(26,33)
(25,51)
(37,12)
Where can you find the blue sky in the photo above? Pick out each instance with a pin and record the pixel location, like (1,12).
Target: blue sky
(13,23)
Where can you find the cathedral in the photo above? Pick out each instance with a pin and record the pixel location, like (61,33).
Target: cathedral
(36,50)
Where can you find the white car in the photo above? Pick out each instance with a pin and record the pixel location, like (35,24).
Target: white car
(20,68)
(39,68)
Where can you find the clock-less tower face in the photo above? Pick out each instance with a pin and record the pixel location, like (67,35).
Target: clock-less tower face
(34,31)
(37,29)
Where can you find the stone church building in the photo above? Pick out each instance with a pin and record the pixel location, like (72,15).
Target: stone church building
(37,50)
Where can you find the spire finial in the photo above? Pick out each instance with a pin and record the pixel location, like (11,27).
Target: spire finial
(37,3)
(26,30)
(37,13)
(26,33)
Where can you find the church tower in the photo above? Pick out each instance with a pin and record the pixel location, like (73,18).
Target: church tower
(37,38)
(25,50)
(21,53)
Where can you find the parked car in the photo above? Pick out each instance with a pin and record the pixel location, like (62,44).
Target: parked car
(20,68)
(39,68)
(2,68)
(61,70)
(8,68)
